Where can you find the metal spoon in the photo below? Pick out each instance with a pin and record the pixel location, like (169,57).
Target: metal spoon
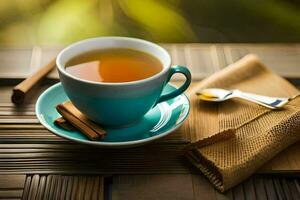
(218,95)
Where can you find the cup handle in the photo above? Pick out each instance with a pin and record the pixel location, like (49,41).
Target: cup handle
(173,70)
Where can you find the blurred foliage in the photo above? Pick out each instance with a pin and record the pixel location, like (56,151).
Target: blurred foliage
(160,22)
(52,22)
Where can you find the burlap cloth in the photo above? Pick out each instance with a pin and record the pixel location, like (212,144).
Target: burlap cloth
(232,139)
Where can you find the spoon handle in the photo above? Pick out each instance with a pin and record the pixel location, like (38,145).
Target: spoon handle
(270,102)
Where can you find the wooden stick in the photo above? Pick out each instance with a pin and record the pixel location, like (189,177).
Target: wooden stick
(20,91)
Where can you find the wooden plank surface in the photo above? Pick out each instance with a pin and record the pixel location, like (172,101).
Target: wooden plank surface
(58,168)
(19,124)
(163,186)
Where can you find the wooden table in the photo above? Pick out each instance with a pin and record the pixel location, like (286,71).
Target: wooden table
(35,164)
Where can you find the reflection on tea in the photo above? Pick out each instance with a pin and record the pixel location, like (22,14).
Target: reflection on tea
(114,65)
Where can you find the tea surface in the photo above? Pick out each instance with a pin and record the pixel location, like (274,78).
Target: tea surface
(114,65)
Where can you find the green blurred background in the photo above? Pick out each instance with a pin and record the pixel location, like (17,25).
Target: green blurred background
(53,22)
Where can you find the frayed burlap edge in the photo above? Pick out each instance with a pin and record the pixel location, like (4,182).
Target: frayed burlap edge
(206,166)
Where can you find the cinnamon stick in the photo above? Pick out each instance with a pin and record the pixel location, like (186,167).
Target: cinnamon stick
(20,91)
(61,122)
(70,113)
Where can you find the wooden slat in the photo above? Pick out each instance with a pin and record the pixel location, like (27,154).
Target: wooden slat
(269,187)
(260,188)
(44,56)
(239,193)
(283,59)
(202,188)
(19,121)
(152,187)
(15,63)
(41,187)
(11,194)
(249,189)
(33,187)
(278,188)
(11,186)
(26,188)
(202,60)
(286,189)
(293,188)
(12,181)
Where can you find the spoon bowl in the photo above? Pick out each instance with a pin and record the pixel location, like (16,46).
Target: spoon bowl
(219,95)
(215,94)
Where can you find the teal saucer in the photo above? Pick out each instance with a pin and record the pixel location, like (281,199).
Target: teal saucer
(158,122)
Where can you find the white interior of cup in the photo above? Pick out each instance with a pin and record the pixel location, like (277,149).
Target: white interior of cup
(112,42)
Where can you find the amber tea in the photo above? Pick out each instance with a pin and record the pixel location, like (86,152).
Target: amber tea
(114,65)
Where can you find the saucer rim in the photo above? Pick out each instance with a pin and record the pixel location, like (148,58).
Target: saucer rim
(101,143)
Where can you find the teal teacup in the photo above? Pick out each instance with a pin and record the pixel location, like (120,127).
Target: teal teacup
(118,104)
